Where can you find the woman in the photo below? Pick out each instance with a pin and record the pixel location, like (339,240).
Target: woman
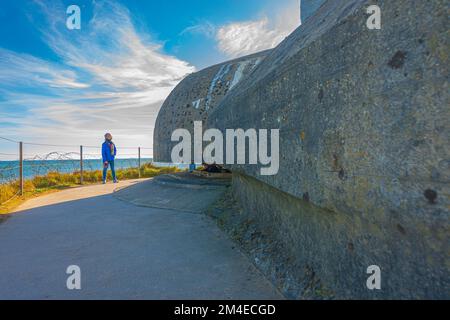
(109,152)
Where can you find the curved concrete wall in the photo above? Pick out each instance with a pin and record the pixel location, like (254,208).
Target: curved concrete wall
(363,114)
(364,133)
(364,145)
(195,97)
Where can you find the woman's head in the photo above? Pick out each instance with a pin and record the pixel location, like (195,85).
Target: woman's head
(108,136)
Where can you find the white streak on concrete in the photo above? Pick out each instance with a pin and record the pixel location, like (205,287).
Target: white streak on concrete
(219,75)
(239,73)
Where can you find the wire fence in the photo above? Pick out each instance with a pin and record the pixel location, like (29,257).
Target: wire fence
(33,160)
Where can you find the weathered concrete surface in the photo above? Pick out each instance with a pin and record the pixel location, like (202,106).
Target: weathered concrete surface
(332,250)
(124,252)
(195,97)
(308,8)
(347,117)
(364,135)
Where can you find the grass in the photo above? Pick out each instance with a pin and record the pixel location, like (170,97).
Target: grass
(54,181)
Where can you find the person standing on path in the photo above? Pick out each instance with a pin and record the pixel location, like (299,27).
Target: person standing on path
(109,152)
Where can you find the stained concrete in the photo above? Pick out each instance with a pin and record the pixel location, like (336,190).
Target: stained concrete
(195,97)
(364,135)
(124,251)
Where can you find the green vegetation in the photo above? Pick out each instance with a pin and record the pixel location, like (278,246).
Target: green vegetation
(54,181)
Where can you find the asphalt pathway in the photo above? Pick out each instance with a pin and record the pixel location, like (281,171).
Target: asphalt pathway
(125,248)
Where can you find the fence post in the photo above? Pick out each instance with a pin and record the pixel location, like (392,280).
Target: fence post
(139,161)
(81,164)
(21,166)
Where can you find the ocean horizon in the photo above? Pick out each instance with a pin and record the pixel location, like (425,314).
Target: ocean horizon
(9,170)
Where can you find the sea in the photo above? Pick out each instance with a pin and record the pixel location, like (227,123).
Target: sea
(9,170)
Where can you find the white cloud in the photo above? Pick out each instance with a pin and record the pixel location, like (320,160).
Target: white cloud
(241,38)
(109,78)
(205,28)
(24,69)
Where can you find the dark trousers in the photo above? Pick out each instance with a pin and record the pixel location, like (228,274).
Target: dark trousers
(105,170)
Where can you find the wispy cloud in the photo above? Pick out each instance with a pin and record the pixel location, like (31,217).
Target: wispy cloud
(205,28)
(240,38)
(109,77)
(23,69)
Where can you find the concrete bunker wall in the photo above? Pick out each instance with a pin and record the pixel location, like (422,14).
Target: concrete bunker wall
(364,135)
(195,97)
(364,145)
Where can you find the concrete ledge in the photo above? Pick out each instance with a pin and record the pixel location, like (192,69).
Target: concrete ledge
(180,192)
(212,175)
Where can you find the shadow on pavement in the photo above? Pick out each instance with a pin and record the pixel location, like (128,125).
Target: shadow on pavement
(182,192)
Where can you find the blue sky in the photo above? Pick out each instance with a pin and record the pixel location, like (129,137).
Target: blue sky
(64,86)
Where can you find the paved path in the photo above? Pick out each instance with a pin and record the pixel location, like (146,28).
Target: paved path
(125,251)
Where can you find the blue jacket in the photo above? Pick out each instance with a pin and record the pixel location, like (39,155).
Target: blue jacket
(106,151)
